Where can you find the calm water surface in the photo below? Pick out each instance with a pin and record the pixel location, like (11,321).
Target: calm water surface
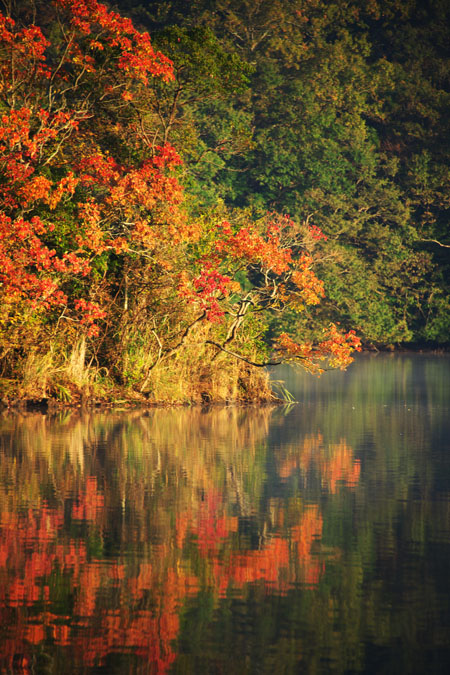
(307,539)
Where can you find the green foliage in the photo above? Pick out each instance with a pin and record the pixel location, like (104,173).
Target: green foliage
(347,123)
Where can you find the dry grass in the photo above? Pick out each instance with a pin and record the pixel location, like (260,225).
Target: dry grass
(195,373)
(60,372)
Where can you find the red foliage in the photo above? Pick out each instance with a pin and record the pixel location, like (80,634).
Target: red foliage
(136,56)
(54,154)
(33,134)
(27,266)
(336,349)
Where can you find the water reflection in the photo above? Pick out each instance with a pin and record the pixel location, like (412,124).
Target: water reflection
(313,539)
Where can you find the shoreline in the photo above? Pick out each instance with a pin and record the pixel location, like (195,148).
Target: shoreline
(117,398)
(52,405)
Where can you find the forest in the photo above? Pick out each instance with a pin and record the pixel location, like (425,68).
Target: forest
(192,191)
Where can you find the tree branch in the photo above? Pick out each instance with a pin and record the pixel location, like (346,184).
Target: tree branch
(435,241)
(243,358)
(164,353)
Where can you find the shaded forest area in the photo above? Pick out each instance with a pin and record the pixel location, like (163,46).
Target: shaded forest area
(246,183)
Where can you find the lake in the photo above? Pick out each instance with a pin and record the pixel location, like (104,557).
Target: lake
(307,538)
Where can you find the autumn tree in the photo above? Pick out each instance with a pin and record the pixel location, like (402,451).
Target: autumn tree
(60,176)
(104,268)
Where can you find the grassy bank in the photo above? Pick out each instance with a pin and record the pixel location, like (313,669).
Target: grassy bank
(71,377)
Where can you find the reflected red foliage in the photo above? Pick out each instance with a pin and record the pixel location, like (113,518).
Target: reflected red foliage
(335,462)
(54,590)
(110,606)
(36,556)
(278,563)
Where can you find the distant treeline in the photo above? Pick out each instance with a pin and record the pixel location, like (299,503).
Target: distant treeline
(336,112)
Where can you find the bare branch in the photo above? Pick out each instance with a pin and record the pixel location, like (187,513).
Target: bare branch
(165,353)
(435,241)
(243,358)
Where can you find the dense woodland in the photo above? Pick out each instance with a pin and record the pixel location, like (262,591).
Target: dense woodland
(191,190)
